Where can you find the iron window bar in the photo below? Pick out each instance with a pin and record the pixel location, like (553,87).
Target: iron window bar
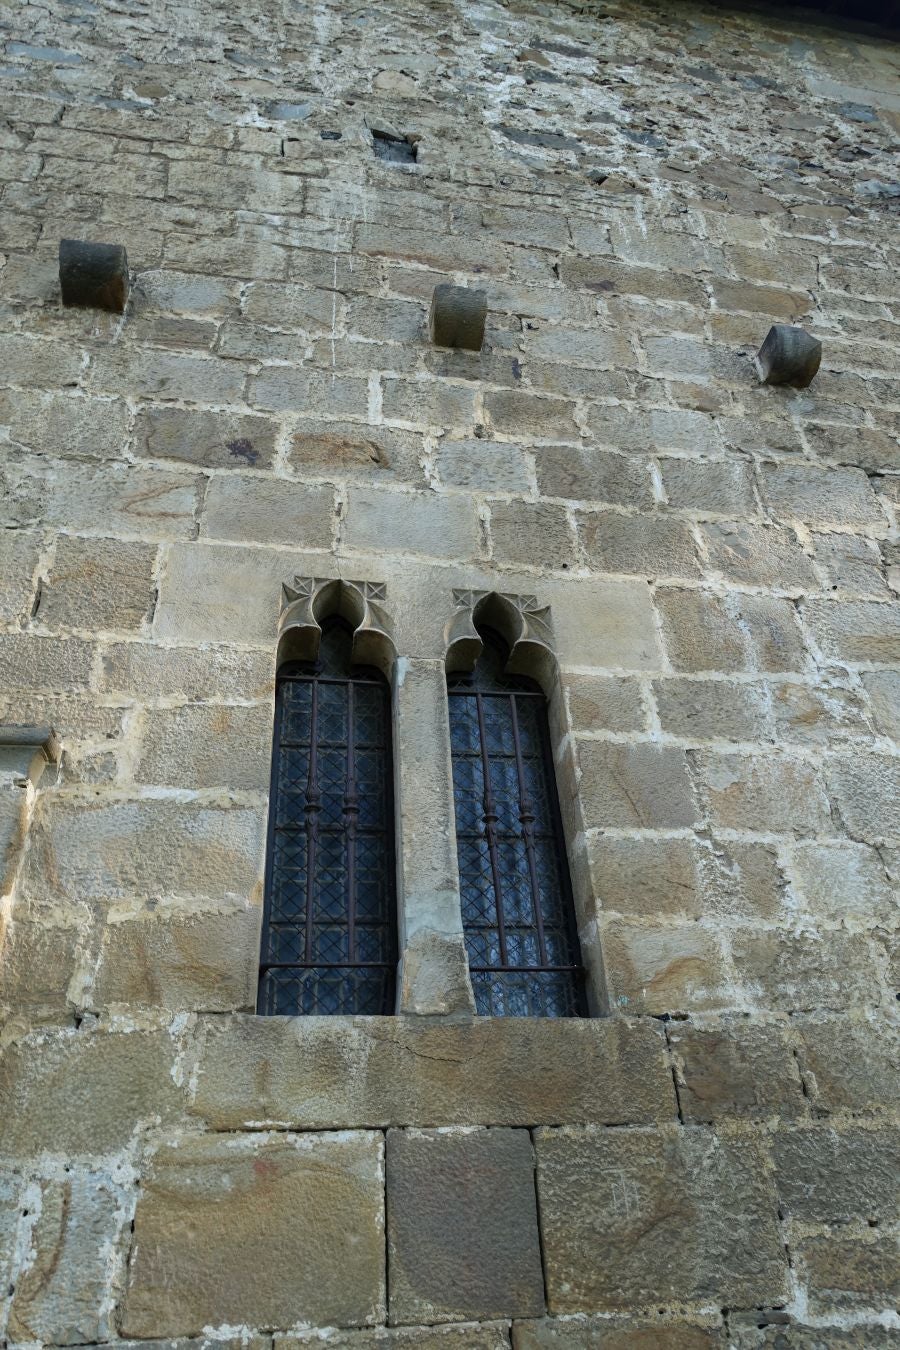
(330,904)
(518,910)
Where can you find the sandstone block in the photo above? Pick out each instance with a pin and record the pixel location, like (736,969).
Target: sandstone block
(849,1065)
(757,555)
(462,1226)
(603,702)
(99,583)
(883,688)
(328,449)
(810,716)
(95,851)
(668,968)
(593,475)
(296,308)
(582,346)
(484,1336)
(39,959)
(850,1273)
(852,566)
(483,466)
(626,786)
(608,275)
(289,389)
(431,403)
(855,631)
(708,487)
(39,363)
(763,792)
(645,877)
(215,1212)
(194,607)
(58,665)
(513,413)
(211,746)
(268,511)
(166,375)
(19,552)
(63,1294)
(636,1218)
(842,882)
(194,673)
(66,424)
(735,1069)
(712,709)
(786,973)
(71,1092)
(536,534)
(439,527)
(866,790)
(609,1333)
(324,1072)
(700,634)
(607,623)
(212,440)
(826,1177)
(128,499)
(773,632)
(820,496)
(651,546)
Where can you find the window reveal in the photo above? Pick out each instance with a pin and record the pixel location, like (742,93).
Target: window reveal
(517,909)
(329,932)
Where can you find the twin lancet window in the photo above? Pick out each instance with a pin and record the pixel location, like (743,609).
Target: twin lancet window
(330,926)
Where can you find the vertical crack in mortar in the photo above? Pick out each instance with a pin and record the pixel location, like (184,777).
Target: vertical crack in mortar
(673,1070)
(540,1226)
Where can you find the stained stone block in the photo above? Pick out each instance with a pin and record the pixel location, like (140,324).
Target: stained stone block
(462,1226)
(735,1070)
(788,355)
(613,1333)
(826,1177)
(93,275)
(457,317)
(258,1230)
(630,1218)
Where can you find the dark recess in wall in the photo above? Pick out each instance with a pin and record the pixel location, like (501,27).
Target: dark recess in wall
(853,14)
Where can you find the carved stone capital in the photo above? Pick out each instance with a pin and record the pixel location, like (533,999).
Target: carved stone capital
(521,620)
(308,600)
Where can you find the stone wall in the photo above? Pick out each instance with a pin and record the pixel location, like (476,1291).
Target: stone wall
(642,190)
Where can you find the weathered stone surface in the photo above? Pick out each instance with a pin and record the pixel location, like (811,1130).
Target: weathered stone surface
(136,668)
(94,850)
(99,584)
(843,882)
(522,532)
(213,440)
(669,968)
(849,1065)
(855,631)
(85,1092)
(61,1297)
(826,1177)
(866,791)
(377,1072)
(784,972)
(38,961)
(712,709)
(735,1069)
(635,1218)
(270,510)
(590,475)
(207,746)
(19,552)
(645,877)
(462,1226)
(763,793)
(484,1336)
(609,1333)
(434,526)
(66,424)
(708,487)
(820,496)
(652,546)
(843,1274)
(757,555)
(214,1211)
(603,703)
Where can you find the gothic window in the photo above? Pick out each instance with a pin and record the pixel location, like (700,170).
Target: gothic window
(329,932)
(517,908)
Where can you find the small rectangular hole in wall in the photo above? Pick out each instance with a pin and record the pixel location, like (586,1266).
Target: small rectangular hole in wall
(395,149)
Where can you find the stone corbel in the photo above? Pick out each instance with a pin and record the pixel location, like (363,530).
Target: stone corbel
(25,752)
(308,600)
(520,619)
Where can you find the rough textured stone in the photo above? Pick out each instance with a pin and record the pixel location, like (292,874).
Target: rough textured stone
(846,1274)
(663,969)
(866,791)
(635,785)
(378,1072)
(763,793)
(468,1337)
(849,1065)
(209,746)
(823,1177)
(653,546)
(648,1219)
(85,1092)
(213,1211)
(270,510)
(735,1070)
(606,1333)
(855,631)
(462,1226)
(99,584)
(645,877)
(213,440)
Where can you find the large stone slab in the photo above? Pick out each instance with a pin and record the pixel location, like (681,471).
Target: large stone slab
(264,1231)
(471,1336)
(321,1072)
(605,1333)
(631,1218)
(462,1226)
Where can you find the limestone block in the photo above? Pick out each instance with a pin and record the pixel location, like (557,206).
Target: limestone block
(849,1065)
(482,466)
(645,877)
(763,792)
(818,496)
(213,440)
(217,1238)
(631,1218)
(342,1073)
(207,961)
(200,746)
(19,551)
(593,475)
(823,1176)
(883,688)
(603,702)
(735,1069)
(63,1294)
(514,413)
(85,1092)
(855,630)
(462,1226)
(757,555)
(612,1333)
(641,785)
(709,487)
(268,511)
(866,791)
(134,668)
(457,316)
(651,546)
(432,403)
(788,355)
(535,533)
(849,1273)
(99,583)
(712,709)
(788,973)
(671,968)
(38,961)
(95,850)
(483,1336)
(842,882)
(437,527)
(41,663)
(93,274)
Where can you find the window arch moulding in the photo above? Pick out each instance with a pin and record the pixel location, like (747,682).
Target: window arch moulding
(521,620)
(307,601)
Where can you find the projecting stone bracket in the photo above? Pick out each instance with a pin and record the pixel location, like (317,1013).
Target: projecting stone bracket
(308,600)
(520,619)
(788,356)
(457,317)
(93,275)
(25,752)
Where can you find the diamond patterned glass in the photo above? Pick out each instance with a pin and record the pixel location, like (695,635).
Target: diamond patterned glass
(329,935)
(517,909)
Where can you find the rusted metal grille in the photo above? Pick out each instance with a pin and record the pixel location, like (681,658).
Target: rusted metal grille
(329,932)
(517,908)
